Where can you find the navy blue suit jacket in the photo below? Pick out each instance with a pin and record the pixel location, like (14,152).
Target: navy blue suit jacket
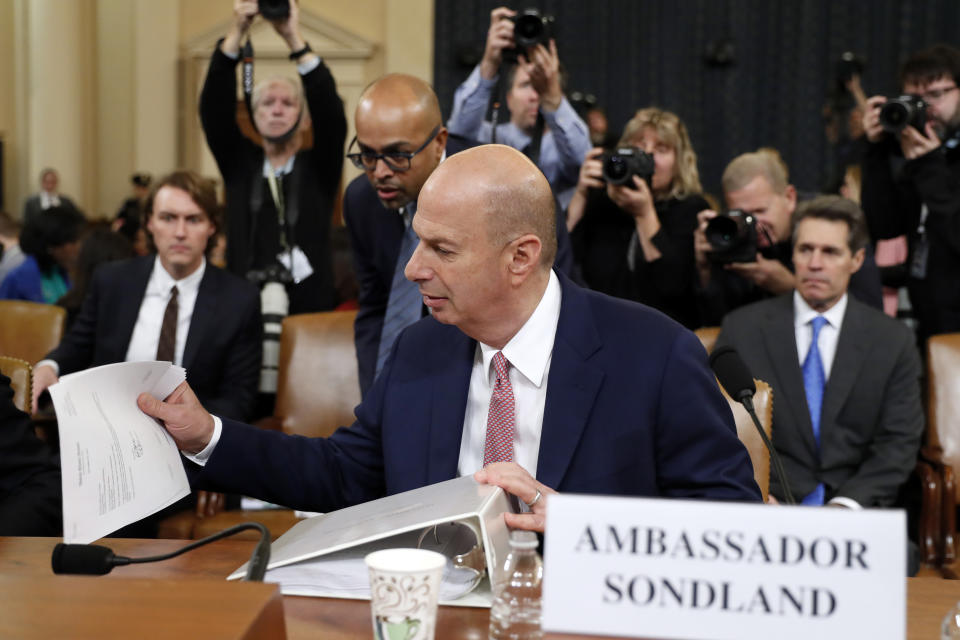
(631,409)
(224,345)
(375,236)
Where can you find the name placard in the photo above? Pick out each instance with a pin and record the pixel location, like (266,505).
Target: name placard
(712,570)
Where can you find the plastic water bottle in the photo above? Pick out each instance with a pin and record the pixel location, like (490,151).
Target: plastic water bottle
(515,614)
(950,627)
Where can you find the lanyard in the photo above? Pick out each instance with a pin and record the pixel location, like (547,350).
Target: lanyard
(275,181)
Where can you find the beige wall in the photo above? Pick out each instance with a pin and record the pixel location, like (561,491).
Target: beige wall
(94,87)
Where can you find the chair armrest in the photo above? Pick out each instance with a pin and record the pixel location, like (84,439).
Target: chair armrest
(948,509)
(270,423)
(929,532)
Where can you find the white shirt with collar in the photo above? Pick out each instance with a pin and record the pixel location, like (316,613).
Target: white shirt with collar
(529,353)
(48,200)
(803,315)
(146,331)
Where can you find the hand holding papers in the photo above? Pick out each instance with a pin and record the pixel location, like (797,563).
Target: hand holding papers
(118,465)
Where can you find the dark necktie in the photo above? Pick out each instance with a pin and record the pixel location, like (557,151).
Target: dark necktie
(405,301)
(814,381)
(501,419)
(167,346)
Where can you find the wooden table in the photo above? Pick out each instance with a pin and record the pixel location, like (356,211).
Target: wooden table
(928,599)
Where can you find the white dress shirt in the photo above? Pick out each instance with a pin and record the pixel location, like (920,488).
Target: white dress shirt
(529,353)
(803,316)
(48,200)
(146,332)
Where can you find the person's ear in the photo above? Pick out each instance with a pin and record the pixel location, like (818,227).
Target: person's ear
(524,255)
(858,257)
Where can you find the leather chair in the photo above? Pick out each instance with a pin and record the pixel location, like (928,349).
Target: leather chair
(317,391)
(750,437)
(30,330)
(940,457)
(708,337)
(19,371)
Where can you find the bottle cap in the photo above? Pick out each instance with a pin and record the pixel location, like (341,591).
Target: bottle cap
(523,540)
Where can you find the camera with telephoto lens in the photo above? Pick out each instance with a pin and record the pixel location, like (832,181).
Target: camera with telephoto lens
(732,237)
(898,113)
(621,164)
(532,28)
(274,9)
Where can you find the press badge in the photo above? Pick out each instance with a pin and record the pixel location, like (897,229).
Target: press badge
(299,267)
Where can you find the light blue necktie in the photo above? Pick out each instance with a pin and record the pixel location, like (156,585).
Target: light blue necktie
(814,381)
(405,302)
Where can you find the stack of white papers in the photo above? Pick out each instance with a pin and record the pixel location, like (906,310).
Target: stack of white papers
(118,465)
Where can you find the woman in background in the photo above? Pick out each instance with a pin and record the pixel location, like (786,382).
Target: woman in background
(51,242)
(635,240)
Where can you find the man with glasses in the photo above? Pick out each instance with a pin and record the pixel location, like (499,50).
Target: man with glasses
(400,141)
(911,186)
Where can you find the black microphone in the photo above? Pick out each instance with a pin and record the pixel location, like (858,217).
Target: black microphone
(96,560)
(737,381)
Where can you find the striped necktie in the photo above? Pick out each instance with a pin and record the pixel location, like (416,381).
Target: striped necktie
(501,418)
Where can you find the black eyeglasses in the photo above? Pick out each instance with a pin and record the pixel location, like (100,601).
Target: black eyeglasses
(396,160)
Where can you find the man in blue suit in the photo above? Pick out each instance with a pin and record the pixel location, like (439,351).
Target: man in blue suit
(586,393)
(400,141)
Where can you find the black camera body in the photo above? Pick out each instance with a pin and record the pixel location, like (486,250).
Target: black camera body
(532,28)
(898,113)
(274,9)
(621,164)
(272,273)
(733,237)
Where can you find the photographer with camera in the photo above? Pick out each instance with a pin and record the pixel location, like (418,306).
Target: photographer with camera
(520,60)
(633,215)
(279,196)
(911,182)
(744,255)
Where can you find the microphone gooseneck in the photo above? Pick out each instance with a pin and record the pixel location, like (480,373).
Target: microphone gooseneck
(90,559)
(736,380)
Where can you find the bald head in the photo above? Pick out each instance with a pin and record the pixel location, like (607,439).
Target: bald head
(516,195)
(397,97)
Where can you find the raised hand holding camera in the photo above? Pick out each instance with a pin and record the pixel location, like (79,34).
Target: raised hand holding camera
(499,37)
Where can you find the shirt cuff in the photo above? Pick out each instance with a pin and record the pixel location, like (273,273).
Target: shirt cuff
(48,363)
(232,56)
(204,454)
(849,503)
(565,115)
(306,67)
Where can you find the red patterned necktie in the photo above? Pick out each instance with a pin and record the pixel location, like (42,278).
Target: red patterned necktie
(501,420)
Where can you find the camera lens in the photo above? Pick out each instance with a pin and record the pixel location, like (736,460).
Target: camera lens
(894,116)
(528,30)
(722,233)
(616,169)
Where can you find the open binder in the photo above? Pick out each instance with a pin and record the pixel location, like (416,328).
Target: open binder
(323,555)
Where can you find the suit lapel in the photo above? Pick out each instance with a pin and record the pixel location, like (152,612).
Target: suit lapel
(447,406)
(851,351)
(203,317)
(572,385)
(130,293)
(781,342)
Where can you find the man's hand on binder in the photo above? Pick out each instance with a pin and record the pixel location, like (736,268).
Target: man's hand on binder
(514,479)
(183,417)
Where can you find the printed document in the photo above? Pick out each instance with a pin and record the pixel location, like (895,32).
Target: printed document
(118,464)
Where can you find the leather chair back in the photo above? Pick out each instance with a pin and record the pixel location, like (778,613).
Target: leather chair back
(317,383)
(19,372)
(750,437)
(708,337)
(29,330)
(943,397)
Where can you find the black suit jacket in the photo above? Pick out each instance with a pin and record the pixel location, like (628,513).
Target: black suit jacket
(224,346)
(32,208)
(871,421)
(375,236)
(29,475)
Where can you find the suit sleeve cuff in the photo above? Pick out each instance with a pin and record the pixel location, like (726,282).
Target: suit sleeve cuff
(204,454)
(849,503)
